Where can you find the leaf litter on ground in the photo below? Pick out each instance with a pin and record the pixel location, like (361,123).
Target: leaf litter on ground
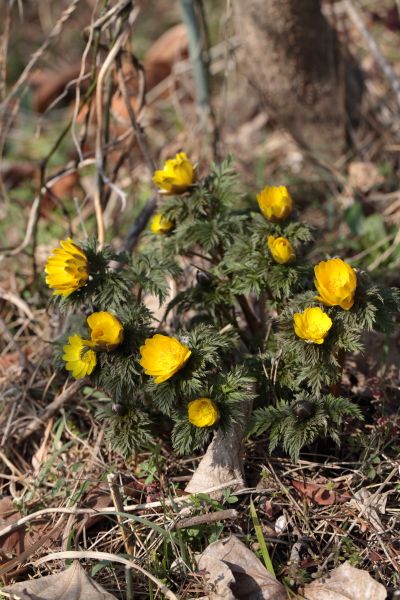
(233,572)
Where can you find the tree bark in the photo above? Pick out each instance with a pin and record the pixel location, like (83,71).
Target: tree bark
(290,55)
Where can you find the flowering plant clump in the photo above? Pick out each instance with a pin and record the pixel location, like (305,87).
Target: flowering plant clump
(244,342)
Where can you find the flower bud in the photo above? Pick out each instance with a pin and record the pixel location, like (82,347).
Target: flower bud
(303,409)
(203,278)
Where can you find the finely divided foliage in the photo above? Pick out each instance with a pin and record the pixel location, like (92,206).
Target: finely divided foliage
(234,312)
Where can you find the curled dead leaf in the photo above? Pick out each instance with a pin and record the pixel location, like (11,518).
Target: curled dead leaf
(345,583)
(72,584)
(24,537)
(320,494)
(233,572)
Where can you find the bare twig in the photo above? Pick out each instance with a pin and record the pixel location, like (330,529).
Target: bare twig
(219,515)
(4,47)
(142,142)
(139,224)
(33,217)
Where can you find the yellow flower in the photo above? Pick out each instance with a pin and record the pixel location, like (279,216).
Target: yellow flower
(80,359)
(160,224)
(163,356)
(281,249)
(275,203)
(105,329)
(312,325)
(66,268)
(203,412)
(336,283)
(177,175)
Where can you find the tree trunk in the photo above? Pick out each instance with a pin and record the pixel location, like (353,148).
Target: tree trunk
(290,55)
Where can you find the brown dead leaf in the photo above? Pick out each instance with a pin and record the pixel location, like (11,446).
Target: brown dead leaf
(26,536)
(159,60)
(369,506)
(345,583)
(72,584)
(319,493)
(64,188)
(14,175)
(235,573)
(49,84)
(364,176)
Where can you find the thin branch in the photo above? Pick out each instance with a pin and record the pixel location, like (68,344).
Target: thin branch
(139,224)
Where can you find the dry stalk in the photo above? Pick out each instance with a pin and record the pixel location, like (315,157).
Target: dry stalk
(119,507)
(213,517)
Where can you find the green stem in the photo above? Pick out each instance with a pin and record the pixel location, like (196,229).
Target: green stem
(196,53)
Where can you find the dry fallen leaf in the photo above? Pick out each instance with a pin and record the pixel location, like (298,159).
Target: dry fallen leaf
(368,507)
(72,584)
(320,494)
(345,583)
(233,572)
(24,537)
(364,176)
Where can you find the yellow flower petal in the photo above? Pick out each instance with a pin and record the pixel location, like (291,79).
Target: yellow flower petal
(79,357)
(67,268)
(312,325)
(281,249)
(106,331)
(275,203)
(336,283)
(163,356)
(160,224)
(203,412)
(177,176)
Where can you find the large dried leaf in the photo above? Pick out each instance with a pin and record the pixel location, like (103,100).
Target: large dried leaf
(72,584)
(233,572)
(24,537)
(345,583)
